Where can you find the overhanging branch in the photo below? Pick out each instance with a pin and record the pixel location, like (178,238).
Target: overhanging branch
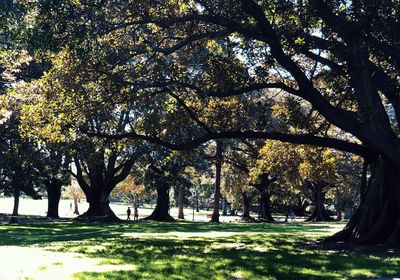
(306,139)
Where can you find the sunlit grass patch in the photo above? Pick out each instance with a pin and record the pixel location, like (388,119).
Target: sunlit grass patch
(207,251)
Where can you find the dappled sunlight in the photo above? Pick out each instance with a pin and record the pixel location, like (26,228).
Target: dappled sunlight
(180,234)
(186,251)
(39,263)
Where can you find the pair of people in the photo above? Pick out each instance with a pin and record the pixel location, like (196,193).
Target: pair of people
(135,214)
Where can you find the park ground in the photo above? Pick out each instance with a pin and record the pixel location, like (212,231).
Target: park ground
(43,249)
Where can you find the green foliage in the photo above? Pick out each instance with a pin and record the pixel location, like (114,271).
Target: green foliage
(20,162)
(296,166)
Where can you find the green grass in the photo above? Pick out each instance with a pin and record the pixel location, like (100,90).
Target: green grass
(207,250)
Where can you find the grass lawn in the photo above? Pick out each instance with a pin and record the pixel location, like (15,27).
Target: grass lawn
(186,251)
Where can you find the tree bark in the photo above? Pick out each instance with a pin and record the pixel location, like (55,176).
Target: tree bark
(364,181)
(264,209)
(265,205)
(246,205)
(76,210)
(16,204)
(101,178)
(53,189)
(217,189)
(246,208)
(377,220)
(161,210)
(181,198)
(99,205)
(224,207)
(319,213)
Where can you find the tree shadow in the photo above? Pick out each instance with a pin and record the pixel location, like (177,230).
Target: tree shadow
(191,250)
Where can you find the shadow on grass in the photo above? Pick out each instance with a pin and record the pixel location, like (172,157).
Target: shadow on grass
(238,257)
(158,251)
(25,234)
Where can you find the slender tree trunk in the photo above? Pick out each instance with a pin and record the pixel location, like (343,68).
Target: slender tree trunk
(217,190)
(161,210)
(14,218)
(181,200)
(338,205)
(76,210)
(287,212)
(224,207)
(16,204)
(377,220)
(53,189)
(319,213)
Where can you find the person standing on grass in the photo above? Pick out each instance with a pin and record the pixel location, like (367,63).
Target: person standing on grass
(135,214)
(128,213)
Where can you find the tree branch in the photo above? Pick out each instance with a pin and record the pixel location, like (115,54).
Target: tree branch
(296,139)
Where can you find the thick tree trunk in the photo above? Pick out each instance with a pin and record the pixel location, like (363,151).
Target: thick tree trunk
(246,208)
(319,213)
(264,213)
(377,220)
(246,205)
(217,189)
(181,198)
(99,206)
(53,189)
(161,212)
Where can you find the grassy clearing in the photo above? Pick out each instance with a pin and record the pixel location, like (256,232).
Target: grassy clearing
(205,250)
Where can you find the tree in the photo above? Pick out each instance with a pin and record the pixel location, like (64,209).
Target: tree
(217,186)
(237,189)
(99,165)
(131,192)
(162,169)
(186,187)
(341,57)
(243,156)
(54,171)
(74,192)
(317,170)
(98,171)
(351,184)
(18,170)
